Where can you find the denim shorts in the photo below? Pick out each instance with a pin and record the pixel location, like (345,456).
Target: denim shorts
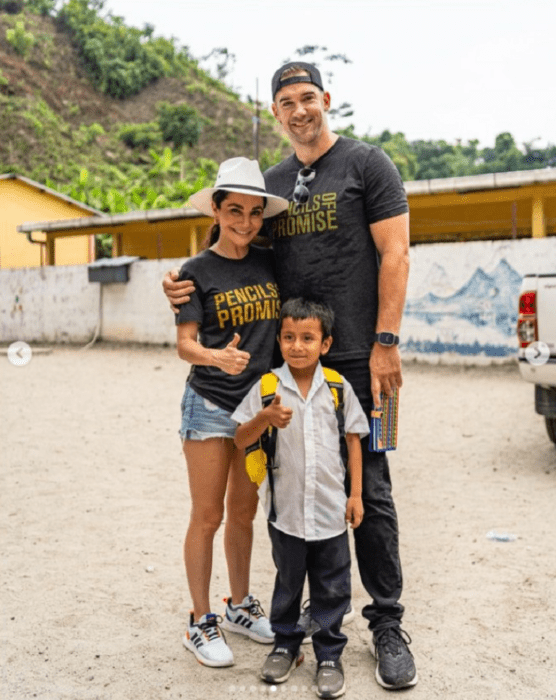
(201,419)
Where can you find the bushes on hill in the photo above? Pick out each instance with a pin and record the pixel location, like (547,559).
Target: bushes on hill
(21,40)
(140,135)
(39,7)
(121,60)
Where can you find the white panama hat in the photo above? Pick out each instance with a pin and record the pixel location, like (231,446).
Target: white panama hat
(239,175)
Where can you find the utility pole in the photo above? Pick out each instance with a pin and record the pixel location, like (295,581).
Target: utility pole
(256,122)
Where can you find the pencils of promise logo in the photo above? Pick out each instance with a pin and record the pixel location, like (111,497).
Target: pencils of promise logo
(318,215)
(256,302)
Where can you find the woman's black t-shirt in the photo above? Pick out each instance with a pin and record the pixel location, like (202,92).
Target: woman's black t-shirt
(232,296)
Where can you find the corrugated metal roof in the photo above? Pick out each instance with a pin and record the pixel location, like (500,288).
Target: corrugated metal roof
(149,216)
(489,181)
(48,190)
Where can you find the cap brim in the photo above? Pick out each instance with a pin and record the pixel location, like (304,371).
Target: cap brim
(202,200)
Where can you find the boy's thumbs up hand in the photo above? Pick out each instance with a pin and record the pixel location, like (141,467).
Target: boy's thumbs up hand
(279,416)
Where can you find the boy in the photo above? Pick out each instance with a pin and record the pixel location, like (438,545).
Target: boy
(304,494)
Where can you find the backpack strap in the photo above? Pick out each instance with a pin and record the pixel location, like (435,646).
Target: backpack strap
(259,457)
(335,383)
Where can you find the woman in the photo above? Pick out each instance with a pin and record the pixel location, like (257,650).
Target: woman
(227,333)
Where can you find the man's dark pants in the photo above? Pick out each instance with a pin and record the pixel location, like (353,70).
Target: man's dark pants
(327,565)
(376,539)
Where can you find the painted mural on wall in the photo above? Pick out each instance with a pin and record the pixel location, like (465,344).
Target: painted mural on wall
(462,297)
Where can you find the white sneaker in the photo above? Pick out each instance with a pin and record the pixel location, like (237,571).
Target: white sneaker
(207,642)
(248,618)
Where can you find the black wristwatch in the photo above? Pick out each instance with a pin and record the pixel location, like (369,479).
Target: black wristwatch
(387,339)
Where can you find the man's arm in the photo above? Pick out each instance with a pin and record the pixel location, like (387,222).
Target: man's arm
(354,509)
(391,237)
(176,292)
(179,292)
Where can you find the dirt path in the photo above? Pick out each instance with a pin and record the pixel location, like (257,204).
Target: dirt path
(95,503)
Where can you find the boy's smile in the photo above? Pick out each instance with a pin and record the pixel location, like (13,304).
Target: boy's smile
(301,342)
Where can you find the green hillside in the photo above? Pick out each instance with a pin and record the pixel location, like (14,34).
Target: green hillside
(122,119)
(62,125)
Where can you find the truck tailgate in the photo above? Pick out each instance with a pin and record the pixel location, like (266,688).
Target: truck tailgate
(546,311)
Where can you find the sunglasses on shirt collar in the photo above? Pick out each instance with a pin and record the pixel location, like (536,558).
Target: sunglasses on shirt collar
(301,192)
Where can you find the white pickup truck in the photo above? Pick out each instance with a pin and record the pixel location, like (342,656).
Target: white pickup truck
(536,332)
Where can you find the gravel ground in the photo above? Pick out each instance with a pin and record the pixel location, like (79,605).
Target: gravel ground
(95,504)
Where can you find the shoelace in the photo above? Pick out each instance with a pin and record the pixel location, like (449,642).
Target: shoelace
(210,628)
(256,609)
(392,639)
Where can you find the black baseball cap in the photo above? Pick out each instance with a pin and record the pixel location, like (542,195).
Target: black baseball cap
(313,77)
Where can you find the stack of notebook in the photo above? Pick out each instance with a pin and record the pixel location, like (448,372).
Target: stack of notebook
(384,425)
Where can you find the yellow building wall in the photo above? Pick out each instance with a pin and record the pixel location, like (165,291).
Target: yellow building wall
(178,238)
(487,214)
(20,202)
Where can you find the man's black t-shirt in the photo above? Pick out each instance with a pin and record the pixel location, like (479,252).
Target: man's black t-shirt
(232,296)
(324,248)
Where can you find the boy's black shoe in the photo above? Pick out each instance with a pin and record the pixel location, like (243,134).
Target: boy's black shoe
(330,679)
(395,667)
(279,664)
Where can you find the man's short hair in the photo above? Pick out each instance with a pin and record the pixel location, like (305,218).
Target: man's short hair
(296,72)
(299,309)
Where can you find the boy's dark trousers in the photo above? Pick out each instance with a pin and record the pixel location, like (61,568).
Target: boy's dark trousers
(327,565)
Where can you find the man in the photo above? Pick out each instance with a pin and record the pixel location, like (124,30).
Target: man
(345,240)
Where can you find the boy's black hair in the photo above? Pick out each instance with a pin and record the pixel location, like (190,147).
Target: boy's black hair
(300,309)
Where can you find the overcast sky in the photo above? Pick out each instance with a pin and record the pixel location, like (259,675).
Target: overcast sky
(432,69)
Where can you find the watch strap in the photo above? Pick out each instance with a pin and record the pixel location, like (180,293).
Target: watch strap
(386,338)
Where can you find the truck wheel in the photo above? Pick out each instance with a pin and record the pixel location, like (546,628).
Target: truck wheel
(551,428)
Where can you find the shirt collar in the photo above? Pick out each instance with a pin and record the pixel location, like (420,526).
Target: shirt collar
(285,376)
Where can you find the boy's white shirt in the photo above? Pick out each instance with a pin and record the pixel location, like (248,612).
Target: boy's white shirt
(309,494)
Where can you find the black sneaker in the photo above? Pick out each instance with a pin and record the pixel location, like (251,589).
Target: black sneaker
(395,667)
(330,679)
(279,664)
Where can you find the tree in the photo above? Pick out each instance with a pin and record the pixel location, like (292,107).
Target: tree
(505,156)
(11,7)
(224,61)
(182,125)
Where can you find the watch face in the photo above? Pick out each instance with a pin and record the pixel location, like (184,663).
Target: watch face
(386,338)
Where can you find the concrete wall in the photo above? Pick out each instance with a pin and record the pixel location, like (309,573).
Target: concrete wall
(59,305)
(48,305)
(461,305)
(138,311)
(462,298)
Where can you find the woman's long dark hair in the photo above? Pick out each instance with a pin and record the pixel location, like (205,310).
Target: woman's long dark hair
(214,231)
